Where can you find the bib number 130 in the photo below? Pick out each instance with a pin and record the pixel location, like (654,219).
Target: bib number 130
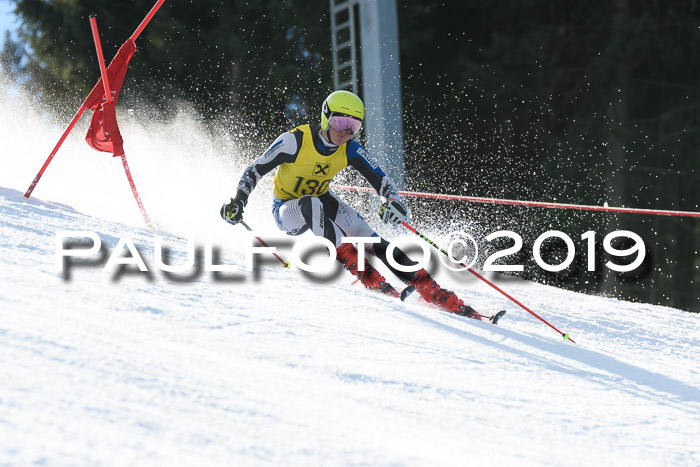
(311,186)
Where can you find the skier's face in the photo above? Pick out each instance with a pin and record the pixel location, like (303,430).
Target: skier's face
(339,137)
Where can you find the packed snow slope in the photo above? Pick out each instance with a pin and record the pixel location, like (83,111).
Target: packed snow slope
(115,366)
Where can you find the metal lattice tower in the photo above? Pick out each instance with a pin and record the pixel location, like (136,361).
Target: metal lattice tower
(380,77)
(344,45)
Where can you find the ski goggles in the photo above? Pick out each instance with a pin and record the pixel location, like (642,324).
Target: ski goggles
(345,123)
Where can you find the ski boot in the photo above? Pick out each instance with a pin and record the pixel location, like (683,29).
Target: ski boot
(445,299)
(370,277)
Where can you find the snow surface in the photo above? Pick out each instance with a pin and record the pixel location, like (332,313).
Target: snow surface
(118,367)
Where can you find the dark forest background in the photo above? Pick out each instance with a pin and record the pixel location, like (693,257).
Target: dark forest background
(575,102)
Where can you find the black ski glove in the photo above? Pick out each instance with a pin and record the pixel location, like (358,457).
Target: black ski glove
(393,212)
(233,211)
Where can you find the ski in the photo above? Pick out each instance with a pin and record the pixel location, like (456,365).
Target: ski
(493,319)
(406,292)
(389,290)
(469,312)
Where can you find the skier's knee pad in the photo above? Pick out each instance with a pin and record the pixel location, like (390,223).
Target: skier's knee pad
(312,211)
(315,218)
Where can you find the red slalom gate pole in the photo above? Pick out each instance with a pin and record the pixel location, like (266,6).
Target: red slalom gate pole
(146,20)
(77,116)
(538,204)
(108,97)
(564,335)
(100,57)
(136,193)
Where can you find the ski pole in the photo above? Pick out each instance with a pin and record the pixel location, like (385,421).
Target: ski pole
(564,335)
(286,263)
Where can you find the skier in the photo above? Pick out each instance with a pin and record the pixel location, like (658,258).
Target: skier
(307,158)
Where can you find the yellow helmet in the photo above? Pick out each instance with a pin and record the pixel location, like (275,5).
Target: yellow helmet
(343,102)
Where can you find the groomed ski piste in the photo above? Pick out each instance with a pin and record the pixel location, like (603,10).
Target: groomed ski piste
(119,367)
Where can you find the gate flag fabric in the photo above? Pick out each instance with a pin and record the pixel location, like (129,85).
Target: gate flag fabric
(103,134)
